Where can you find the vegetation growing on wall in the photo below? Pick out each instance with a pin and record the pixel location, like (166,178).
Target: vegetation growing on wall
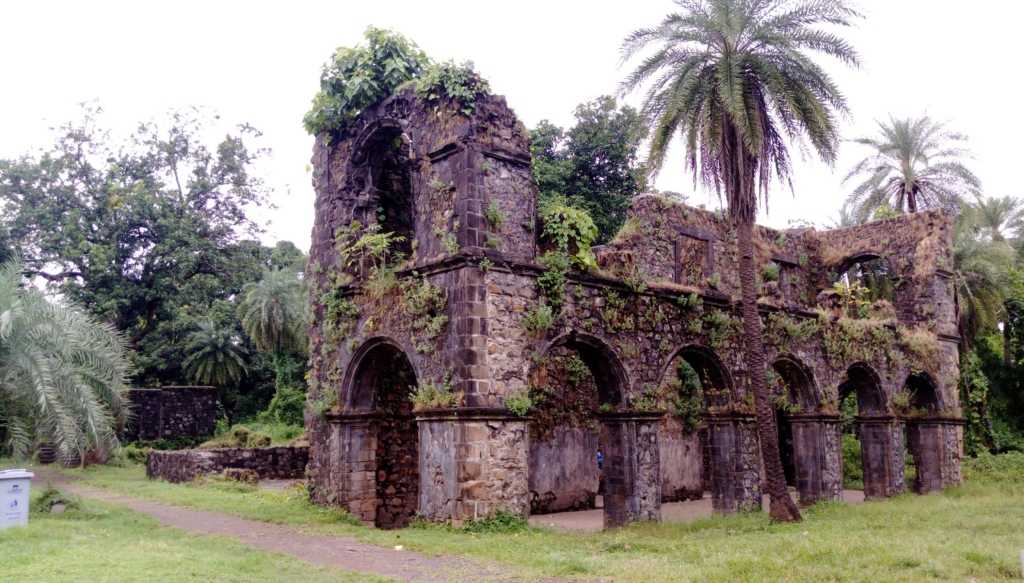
(356,78)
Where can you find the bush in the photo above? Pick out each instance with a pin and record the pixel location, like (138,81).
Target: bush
(51,496)
(1004,468)
(129,455)
(853,468)
(498,522)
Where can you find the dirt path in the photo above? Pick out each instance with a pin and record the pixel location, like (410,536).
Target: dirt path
(334,551)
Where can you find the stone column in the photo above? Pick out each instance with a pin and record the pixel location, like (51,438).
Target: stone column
(818,452)
(353,455)
(632,466)
(473,461)
(735,462)
(936,443)
(881,446)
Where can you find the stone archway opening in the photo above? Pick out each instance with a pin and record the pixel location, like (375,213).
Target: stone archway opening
(925,437)
(381,387)
(878,432)
(809,440)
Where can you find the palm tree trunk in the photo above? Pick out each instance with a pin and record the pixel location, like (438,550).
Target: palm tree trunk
(782,506)
(1007,360)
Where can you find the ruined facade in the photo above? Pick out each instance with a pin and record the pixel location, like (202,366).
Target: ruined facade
(634,336)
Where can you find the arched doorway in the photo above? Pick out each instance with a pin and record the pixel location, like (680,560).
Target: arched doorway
(879,433)
(809,441)
(925,434)
(582,418)
(380,390)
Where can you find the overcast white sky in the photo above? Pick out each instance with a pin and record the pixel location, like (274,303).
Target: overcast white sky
(259,63)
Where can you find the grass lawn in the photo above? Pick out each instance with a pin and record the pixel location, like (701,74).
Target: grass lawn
(975,532)
(107,542)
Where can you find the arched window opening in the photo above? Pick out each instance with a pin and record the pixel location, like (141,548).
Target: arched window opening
(388,190)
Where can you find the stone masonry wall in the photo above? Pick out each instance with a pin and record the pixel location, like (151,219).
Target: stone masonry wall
(270,463)
(169,412)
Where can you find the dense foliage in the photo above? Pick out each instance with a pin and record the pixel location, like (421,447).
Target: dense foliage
(356,78)
(153,234)
(595,165)
(62,373)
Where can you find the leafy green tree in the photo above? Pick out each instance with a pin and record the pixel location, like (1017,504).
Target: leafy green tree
(146,233)
(595,165)
(916,164)
(275,316)
(62,373)
(733,79)
(356,78)
(215,355)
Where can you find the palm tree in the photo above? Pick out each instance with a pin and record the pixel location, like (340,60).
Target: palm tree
(916,164)
(995,217)
(980,266)
(62,373)
(734,79)
(214,355)
(274,315)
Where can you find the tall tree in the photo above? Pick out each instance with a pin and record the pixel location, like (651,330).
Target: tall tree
(215,355)
(62,373)
(275,316)
(595,165)
(917,163)
(144,232)
(733,79)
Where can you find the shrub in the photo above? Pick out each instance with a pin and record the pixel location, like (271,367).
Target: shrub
(497,522)
(853,469)
(494,215)
(538,320)
(1004,468)
(570,230)
(519,401)
(446,83)
(51,496)
(770,272)
(429,395)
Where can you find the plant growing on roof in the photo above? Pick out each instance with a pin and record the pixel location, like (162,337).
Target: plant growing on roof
(446,82)
(356,78)
(732,78)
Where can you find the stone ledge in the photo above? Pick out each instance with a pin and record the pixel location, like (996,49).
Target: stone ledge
(469,414)
(269,462)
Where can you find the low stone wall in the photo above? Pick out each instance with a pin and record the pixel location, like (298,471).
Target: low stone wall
(270,463)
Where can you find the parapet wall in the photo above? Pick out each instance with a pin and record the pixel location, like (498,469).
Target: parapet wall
(269,463)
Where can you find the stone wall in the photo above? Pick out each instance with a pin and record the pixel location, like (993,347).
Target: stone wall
(563,471)
(269,463)
(170,412)
(682,464)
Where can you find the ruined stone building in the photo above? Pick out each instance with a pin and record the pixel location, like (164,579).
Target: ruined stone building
(643,360)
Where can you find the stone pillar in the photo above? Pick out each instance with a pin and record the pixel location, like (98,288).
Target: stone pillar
(937,447)
(881,446)
(735,462)
(473,461)
(353,455)
(818,452)
(632,466)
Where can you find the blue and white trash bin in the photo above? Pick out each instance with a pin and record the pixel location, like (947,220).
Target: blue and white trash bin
(14,487)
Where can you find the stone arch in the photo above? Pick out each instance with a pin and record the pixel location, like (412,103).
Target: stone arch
(716,382)
(382,172)
(924,392)
(864,382)
(926,434)
(873,271)
(797,376)
(809,441)
(378,390)
(609,374)
(881,435)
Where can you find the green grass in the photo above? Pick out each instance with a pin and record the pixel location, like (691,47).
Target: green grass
(973,532)
(107,542)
